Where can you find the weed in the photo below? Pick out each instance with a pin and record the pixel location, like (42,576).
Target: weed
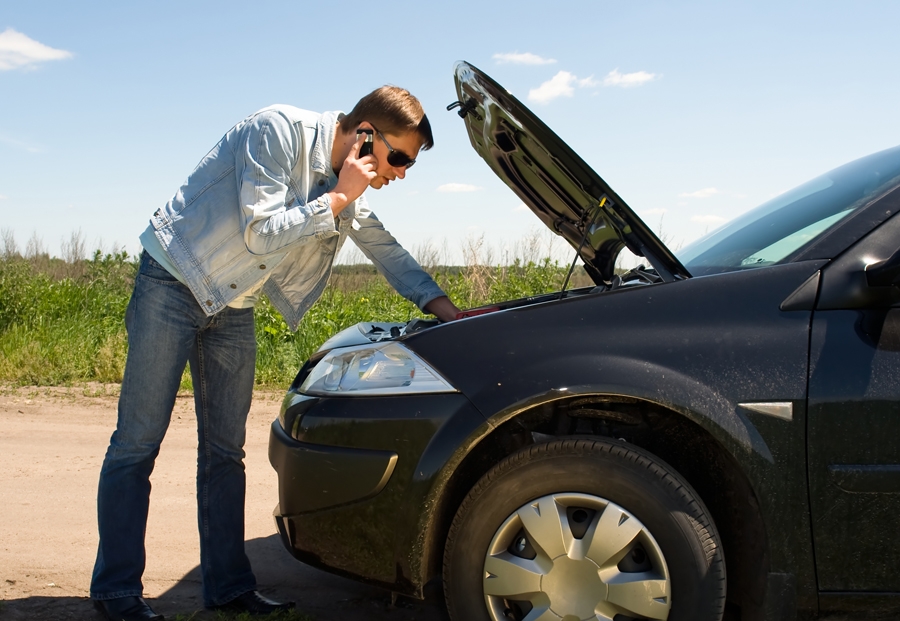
(62,321)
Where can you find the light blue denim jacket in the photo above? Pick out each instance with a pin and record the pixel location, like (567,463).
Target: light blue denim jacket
(257,206)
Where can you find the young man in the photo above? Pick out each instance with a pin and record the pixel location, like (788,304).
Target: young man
(265,211)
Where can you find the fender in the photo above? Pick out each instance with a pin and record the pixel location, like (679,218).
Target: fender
(685,346)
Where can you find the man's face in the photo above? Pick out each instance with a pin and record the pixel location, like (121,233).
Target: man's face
(408,143)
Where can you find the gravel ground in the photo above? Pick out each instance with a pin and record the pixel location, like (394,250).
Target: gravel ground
(52,442)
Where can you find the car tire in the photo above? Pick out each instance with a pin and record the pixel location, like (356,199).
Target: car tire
(664,556)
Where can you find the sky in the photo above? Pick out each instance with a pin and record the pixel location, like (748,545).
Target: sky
(694,112)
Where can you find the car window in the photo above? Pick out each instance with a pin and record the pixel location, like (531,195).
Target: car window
(776,230)
(784,247)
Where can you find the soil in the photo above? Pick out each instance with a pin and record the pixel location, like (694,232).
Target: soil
(52,442)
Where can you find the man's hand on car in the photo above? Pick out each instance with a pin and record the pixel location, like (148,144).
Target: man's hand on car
(442,308)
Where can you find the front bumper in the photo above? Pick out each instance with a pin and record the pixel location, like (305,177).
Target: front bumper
(313,476)
(359,480)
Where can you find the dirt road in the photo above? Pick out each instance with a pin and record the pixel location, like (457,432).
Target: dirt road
(52,443)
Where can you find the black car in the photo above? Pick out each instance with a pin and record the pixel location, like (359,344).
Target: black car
(717,433)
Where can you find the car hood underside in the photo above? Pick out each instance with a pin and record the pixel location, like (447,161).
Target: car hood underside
(553,181)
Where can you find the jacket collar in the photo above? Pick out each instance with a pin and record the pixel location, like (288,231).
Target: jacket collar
(321,152)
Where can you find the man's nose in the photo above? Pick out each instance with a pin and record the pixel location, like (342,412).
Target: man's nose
(400,171)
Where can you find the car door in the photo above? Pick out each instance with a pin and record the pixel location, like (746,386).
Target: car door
(854,423)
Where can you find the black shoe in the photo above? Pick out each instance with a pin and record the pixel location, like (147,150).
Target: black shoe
(255,604)
(126,609)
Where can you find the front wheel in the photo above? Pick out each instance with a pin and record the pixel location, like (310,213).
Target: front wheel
(583,529)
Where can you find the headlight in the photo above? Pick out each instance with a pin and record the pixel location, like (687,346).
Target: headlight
(378,369)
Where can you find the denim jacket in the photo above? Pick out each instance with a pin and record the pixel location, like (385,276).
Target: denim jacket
(256,206)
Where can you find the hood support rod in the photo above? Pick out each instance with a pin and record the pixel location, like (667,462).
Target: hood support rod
(585,226)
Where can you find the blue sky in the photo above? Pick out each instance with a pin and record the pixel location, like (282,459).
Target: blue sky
(693,111)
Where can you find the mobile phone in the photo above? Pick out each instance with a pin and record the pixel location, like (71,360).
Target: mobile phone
(366,147)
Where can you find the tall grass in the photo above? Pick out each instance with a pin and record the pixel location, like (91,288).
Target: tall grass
(62,320)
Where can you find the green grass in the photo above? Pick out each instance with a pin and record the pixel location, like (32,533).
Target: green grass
(62,322)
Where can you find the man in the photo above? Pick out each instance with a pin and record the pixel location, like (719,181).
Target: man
(266,210)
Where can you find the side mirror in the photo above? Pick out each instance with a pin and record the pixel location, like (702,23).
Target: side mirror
(884,273)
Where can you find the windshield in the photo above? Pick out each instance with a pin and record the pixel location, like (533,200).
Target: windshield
(779,228)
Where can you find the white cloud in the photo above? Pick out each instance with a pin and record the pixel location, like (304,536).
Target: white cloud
(3,198)
(19,144)
(19,51)
(628,80)
(656,212)
(521,207)
(458,187)
(704,193)
(708,219)
(526,58)
(559,85)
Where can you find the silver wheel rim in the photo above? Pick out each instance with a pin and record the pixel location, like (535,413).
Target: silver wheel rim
(574,557)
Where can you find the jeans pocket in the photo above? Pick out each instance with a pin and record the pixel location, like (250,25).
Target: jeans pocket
(151,269)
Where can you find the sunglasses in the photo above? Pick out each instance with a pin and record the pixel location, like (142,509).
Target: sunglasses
(395,158)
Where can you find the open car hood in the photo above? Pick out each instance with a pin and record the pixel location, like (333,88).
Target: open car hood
(553,181)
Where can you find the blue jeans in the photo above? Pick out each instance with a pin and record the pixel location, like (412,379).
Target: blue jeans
(167,329)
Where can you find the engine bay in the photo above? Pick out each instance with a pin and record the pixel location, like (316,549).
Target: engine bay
(378,331)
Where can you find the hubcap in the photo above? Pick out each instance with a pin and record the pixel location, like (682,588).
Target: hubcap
(576,586)
(574,557)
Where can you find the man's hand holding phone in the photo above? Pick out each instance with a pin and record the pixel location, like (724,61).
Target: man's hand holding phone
(368,142)
(356,172)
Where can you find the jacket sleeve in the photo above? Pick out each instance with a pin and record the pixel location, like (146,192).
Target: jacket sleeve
(269,148)
(396,264)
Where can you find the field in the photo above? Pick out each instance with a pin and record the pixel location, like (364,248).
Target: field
(61,319)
